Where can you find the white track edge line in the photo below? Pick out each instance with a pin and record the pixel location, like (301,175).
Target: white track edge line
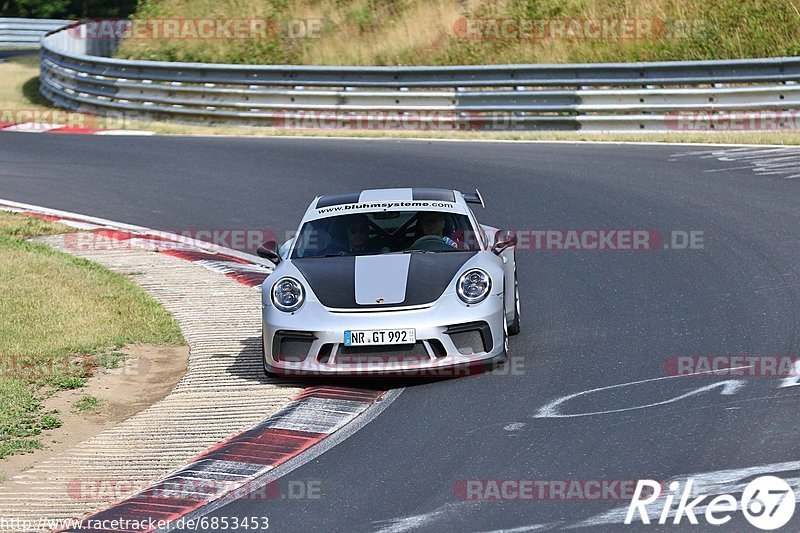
(138,229)
(501,141)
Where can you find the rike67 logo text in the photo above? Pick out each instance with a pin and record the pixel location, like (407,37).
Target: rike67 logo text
(767,502)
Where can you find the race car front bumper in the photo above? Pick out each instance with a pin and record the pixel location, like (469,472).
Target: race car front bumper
(452,339)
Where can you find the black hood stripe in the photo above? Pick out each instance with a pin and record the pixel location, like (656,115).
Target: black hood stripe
(429,275)
(333,278)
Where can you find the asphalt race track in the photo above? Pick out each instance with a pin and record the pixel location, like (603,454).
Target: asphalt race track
(591,319)
(11,53)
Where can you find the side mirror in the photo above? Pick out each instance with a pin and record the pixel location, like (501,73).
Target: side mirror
(269,251)
(504,238)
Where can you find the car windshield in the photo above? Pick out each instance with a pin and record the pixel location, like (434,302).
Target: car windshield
(386,232)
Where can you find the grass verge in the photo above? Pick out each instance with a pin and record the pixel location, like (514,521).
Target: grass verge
(19,90)
(433,32)
(60,317)
(87,404)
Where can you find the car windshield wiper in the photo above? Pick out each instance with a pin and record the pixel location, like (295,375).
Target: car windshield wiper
(341,254)
(355,254)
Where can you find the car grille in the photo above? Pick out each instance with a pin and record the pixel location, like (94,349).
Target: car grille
(384,354)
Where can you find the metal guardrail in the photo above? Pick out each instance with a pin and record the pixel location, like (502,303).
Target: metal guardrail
(26,33)
(79,74)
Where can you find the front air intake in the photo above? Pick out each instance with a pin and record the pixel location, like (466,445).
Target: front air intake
(471,338)
(292,346)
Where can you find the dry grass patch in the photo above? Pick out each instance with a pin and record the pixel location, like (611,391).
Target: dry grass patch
(423,32)
(58,314)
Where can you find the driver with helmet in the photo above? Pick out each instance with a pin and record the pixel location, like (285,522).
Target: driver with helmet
(432,223)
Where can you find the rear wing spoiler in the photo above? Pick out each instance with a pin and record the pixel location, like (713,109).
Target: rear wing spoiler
(474,198)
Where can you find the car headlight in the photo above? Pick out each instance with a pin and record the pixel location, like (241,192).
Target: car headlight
(473,286)
(288,295)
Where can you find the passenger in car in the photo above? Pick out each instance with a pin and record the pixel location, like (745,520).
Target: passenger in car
(358,234)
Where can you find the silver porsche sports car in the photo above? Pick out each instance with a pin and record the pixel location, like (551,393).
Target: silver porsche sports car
(390,281)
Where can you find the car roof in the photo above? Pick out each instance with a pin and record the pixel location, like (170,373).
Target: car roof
(412,198)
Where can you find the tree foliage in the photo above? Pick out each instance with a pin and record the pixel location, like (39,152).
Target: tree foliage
(67,9)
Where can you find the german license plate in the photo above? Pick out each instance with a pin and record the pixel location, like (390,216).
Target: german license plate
(380,336)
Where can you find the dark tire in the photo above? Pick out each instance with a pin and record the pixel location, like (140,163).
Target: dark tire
(513,328)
